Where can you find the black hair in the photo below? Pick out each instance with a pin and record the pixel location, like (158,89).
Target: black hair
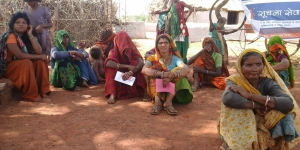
(32,0)
(247,55)
(24,36)
(95,52)
(162,37)
(15,17)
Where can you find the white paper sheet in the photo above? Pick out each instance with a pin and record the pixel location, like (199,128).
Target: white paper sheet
(118,78)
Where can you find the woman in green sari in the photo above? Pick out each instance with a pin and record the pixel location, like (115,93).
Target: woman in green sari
(177,26)
(69,64)
(167,65)
(278,57)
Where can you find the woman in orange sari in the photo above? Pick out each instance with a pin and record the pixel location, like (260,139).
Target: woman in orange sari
(126,58)
(209,67)
(22,61)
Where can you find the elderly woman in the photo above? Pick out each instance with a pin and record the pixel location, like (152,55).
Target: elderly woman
(126,58)
(106,42)
(22,61)
(279,59)
(70,66)
(208,66)
(258,111)
(167,65)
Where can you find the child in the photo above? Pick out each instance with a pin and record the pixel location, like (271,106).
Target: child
(40,19)
(97,63)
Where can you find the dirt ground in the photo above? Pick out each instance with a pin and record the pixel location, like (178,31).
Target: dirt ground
(84,120)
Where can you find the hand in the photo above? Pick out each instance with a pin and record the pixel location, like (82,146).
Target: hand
(240,90)
(260,112)
(169,75)
(39,29)
(198,69)
(29,30)
(76,55)
(126,75)
(165,82)
(129,67)
(43,57)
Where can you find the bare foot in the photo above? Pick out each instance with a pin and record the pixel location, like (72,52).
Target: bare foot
(84,83)
(46,100)
(195,87)
(146,97)
(77,89)
(44,96)
(111,99)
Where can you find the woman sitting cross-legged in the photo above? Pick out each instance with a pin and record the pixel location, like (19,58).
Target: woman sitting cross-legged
(258,111)
(22,61)
(126,58)
(70,66)
(167,65)
(208,66)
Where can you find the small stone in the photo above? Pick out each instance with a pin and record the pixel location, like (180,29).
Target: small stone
(86,96)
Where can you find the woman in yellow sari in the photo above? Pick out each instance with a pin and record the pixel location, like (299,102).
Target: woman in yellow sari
(258,111)
(167,64)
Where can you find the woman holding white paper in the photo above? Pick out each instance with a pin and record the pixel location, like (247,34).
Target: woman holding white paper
(126,58)
(167,65)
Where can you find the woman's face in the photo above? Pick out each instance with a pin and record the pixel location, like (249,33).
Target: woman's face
(20,26)
(163,45)
(208,47)
(65,41)
(276,51)
(32,3)
(252,67)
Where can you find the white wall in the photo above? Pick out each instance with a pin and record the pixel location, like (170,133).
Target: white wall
(198,26)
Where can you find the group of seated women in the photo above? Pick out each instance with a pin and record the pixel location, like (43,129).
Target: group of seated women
(257,110)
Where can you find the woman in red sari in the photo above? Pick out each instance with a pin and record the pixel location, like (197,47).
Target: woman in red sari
(126,58)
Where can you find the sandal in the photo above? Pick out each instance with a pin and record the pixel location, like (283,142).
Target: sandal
(156,110)
(170,110)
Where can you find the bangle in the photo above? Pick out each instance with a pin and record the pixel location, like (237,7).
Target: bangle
(31,37)
(162,74)
(206,71)
(118,66)
(35,57)
(252,104)
(267,100)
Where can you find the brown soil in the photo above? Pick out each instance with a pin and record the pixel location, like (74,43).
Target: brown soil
(84,120)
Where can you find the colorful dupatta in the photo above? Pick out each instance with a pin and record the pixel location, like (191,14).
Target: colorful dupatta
(241,128)
(3,48)
(275,43)
(182,88)
(174,22)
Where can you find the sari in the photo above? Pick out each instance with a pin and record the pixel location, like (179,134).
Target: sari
(178,28)
(34,79)
(210,62)
(183,91)
(242,129)
(287,75)
(66,73)
(106,41)
(215,37)
(124,52)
